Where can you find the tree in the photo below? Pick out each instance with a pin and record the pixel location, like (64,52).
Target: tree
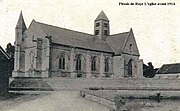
(148,71)
(10,49)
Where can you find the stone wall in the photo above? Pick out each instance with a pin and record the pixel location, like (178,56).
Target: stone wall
(175,75)
(70,62)
(60,83)
(122,83)
(89,95)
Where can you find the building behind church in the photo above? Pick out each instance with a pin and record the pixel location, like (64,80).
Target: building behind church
(4,71)
(44,50)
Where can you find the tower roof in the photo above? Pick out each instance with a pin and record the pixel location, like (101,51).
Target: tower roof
(21,23)
(102,16)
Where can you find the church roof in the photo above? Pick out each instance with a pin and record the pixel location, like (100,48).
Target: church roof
(21,23)
(71,38)
(117,41)
(169,69)
(102,16)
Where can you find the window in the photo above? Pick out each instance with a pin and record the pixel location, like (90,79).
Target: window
(106,65)
(62,62)
(78,62)
(93,63)
(105,32)
(31,55)
(105,25)
(97,24)
(96,32)
(130,47)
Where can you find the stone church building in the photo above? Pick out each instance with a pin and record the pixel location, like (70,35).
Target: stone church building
(44,50)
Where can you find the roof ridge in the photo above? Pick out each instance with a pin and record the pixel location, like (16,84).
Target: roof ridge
(171,64)
(65,28)
(119,33)
(87,39)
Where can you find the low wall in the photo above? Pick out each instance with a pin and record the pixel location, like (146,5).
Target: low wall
(124,100)
(125,84)
(93,97)
(81,83)
(172,76)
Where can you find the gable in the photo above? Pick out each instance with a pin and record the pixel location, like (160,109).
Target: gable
(34,30)
(117,41)
(130,46)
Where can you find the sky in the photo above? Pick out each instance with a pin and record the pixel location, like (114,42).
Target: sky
(156,28)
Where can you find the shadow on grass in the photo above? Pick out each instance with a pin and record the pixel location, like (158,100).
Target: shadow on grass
(12,99)
(19,96)
(10,95)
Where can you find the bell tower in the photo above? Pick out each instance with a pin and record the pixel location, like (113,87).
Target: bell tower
(101,26)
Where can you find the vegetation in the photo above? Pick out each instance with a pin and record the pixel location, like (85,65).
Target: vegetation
(148,71)
(10,49)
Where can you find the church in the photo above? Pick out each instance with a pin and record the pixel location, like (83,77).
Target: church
(45,51)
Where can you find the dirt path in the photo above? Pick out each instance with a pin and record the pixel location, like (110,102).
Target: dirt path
(55,101)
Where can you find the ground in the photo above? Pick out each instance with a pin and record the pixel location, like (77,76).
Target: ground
(49,101)
(72,101)
(142,104)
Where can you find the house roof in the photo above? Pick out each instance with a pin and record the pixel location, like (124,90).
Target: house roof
(71,38)
(169,69)
(102,16)
(4,53)
(117,41)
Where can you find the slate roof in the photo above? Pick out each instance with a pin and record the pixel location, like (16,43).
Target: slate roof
(169,69)
(4,53)
(113,44)
(71,38)
(102,16)
(117,41)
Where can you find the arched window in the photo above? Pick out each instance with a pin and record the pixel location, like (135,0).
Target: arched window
(130,67)
(130,47)
(78,62)
(31,55)
(106,63)
(93,63)
(62,62)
